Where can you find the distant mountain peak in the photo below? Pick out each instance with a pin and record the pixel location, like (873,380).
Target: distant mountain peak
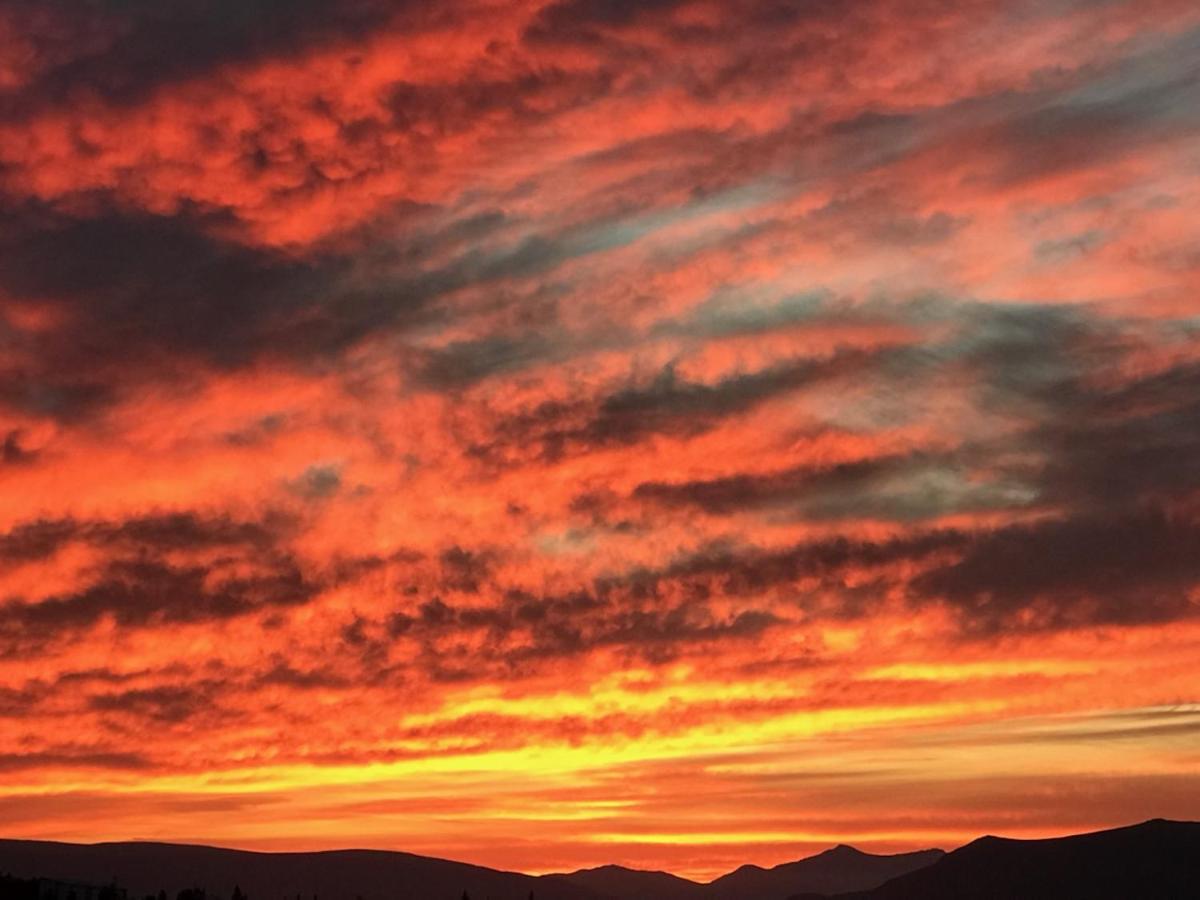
(843,850)
(1155,859)
(616,869)
(836,870)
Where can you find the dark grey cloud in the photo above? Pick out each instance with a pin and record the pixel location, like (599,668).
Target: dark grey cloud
(1107,453)
(514,630)
(122,50)
(465,570)
(74,758)
(669,405)
(317,482)
(12,453)
(586,22)
(1059,250)
(672,404)
(579,19)
(1142,99)
(727,314)
(876,217)
(283,673)
(36,540)
(140,592)
(1105,456)
(746,571)
(166,704)
(151,533)
(166,279)
(1075,572)
(448,107)
(142,291)
(1125,441)
(652,614)
(464,363)
(149,296)
(1109,456)
(1085,434)
(247,568)
(734,492)
(902,487)
(1060,573)
(17,702)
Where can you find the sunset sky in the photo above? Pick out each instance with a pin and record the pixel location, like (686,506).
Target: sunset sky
(546,433)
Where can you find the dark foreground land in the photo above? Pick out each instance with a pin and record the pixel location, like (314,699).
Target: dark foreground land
(1156,859)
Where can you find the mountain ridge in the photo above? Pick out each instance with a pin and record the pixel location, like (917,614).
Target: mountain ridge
(145,867)
(1158,859)
(837,869)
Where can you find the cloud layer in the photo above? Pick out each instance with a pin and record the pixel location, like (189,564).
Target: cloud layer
(553,433)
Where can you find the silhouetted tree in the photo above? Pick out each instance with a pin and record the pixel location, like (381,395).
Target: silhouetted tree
(237,893)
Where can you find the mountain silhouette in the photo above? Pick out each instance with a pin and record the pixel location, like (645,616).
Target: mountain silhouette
(620,883)
(1156,860)
(145,868)
(839,869)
